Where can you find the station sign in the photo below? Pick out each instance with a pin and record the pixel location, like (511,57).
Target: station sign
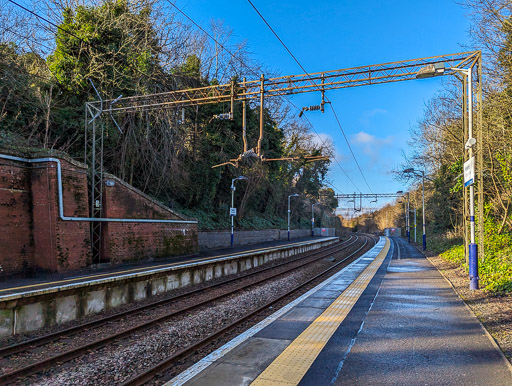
(469,172)
(232,211)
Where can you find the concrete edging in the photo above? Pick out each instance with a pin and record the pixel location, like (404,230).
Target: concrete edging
(211,358)
(33,310)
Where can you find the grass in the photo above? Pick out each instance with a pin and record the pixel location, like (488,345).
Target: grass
(495,270)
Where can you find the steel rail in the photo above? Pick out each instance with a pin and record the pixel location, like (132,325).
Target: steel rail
(99,343)
(36,342)
(164,365)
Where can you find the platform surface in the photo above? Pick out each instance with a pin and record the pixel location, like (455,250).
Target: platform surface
(406,327)
(40,281)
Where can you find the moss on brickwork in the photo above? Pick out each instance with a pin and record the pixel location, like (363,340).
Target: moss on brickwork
(11,203)
(80,201)
(175,245)
(62,256)
(137,243)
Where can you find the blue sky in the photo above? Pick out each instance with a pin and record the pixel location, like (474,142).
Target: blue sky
(330,35)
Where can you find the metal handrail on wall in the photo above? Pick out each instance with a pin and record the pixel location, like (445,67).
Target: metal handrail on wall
(61,200)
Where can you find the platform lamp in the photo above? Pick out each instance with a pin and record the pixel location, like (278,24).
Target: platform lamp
(289,212)
(232,210)
(430,71)
(313,218)
(417,174)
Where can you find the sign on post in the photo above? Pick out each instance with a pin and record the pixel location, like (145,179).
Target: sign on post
(232,211)
(469,172)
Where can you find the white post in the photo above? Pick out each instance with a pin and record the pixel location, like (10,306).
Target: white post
(423,194)
(414,224)
(289,218)
(232,206)
(312,220)
(473,248)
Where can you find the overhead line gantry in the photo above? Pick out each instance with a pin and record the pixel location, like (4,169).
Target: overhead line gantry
(260,89)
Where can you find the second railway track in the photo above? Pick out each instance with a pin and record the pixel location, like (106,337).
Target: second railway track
(53,354)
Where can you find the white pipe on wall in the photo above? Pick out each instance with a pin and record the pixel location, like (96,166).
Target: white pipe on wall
(61,200)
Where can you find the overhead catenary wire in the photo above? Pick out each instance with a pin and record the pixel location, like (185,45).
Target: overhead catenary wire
(314,83)
(205,32)
(335,160)
(26,38)
(334,186)
(46,20)
(256,74)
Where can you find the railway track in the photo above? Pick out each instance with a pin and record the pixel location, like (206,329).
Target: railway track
(89,328)
(168,363)
(69,332)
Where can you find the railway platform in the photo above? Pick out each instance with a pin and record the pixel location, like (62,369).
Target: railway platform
(28,304)
(389,318)
(19,284)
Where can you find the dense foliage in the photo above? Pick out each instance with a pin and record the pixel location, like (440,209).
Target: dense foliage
(138,48)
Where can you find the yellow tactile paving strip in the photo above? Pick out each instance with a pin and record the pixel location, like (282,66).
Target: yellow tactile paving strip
(293,363)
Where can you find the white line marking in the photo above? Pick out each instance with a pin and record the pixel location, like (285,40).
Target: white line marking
(197,368)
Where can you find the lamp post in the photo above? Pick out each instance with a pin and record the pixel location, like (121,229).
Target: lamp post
(289,212)
(473,247)
(232,210)
(416,173)
(408,216)
(313,218)
(439,69)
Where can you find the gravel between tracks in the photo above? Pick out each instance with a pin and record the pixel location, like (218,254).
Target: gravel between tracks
(87,336)
(14,339)
(115,364)
(123,359)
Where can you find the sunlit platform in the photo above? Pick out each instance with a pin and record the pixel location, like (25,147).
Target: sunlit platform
(389,318)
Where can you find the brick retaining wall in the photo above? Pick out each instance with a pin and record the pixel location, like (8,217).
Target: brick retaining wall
(33,236)
(222,239)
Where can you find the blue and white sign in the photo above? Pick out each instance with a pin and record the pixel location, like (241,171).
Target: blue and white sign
(232,211)
(469,172)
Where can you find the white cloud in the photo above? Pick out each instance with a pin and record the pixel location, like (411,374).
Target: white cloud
(366,117)
(369,139)
(371,145)
(327,139)
(377,111)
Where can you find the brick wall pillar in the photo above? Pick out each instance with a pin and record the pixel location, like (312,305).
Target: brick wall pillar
(44,212)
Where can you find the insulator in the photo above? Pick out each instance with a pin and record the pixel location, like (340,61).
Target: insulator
(249,157)
(224,116)
(314,108)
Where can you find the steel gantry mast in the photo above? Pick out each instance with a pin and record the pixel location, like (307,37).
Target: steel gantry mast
(263,88)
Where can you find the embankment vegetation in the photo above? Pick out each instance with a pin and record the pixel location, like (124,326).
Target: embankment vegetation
(437,147)
(144,47)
